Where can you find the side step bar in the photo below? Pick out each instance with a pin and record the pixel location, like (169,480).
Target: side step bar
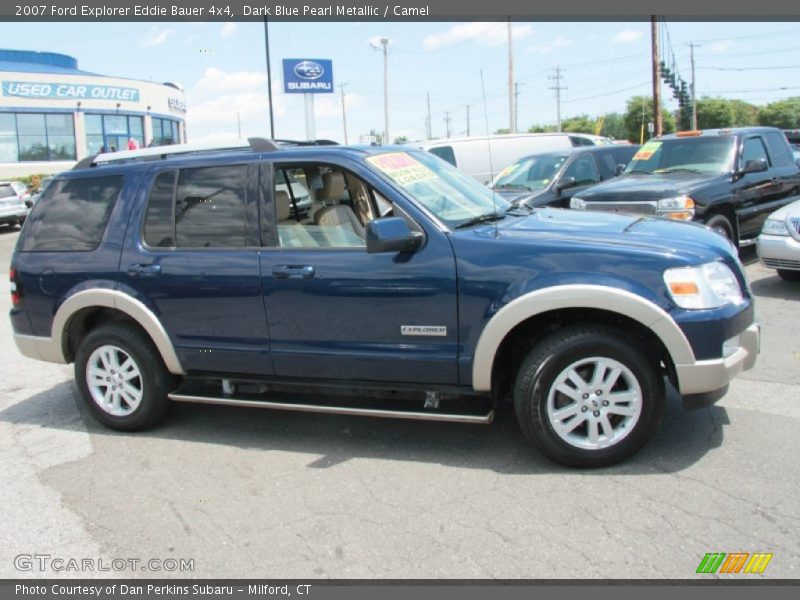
(339,410)
(747,242)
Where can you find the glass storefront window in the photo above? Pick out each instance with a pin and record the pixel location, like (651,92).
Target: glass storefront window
(165,131)
(93,124)
(36,137)
(135,127)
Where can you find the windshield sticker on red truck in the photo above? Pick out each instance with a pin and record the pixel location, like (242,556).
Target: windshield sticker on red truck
(646,151)
(402,168)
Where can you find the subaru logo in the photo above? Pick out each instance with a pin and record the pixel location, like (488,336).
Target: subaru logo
(308,70)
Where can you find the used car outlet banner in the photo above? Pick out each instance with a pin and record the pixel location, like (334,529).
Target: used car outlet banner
(404,10)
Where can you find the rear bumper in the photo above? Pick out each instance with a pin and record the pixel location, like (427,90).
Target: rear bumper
(39,348)
(778,251)
(708,377)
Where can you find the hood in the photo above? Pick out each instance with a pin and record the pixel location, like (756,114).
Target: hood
(651,186)
(597,228)
(790,210)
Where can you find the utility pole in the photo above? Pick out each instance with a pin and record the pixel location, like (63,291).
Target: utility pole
(344,112)
(516,102)
(557,87)
(447,123)
(692,46)
(512,111)
(429,123)
(657,123)
(385,44)
(269,80)
(467,120)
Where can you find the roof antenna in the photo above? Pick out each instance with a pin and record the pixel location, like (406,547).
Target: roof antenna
(489,149)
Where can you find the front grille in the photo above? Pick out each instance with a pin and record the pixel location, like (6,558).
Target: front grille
(630,208)
(781,263)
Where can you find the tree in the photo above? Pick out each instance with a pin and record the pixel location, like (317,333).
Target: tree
(783,114)
(714,113)
(578,124)
(502,131)
(634,121)
(613,126)
(401,139)
(541,129)
(744,113)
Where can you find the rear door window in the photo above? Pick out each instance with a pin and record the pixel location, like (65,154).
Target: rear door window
(778,149)
(72,215)
(445,153)
(6,191)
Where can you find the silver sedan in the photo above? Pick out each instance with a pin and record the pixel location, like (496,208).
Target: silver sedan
(779,242)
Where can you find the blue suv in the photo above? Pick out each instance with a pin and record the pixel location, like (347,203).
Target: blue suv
(191,274)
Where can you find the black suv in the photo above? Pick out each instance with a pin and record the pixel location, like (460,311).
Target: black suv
(553,178)
(729,179)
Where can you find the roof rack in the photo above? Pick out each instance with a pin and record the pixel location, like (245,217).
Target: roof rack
(306,142)
(256,144)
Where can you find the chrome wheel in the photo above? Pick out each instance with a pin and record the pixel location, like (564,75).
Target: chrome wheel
(114,380)
(594,403)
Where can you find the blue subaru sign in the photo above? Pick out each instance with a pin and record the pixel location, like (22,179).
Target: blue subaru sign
(307,76)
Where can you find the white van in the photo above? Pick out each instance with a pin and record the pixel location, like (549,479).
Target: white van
(471,154)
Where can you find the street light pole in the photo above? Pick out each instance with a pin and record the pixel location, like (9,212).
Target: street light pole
(344,112)
(385,44)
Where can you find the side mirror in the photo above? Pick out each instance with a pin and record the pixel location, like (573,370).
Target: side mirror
(391,234)
(619,170)
(757,165)
(566,182)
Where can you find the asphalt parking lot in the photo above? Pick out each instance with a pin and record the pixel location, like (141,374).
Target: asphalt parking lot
(252,493)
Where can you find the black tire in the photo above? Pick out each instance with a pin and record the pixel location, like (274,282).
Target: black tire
(721,225)
(789,275)
(550,358)
(154,382)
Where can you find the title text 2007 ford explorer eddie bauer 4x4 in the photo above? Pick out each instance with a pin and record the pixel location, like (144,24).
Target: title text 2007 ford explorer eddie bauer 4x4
(179,275)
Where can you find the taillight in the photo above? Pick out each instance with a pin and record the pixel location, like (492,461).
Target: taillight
(16,292)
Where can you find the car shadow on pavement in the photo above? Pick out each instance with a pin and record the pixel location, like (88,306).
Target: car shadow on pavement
(683,438)
(775,287)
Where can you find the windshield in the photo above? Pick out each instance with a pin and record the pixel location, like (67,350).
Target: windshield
(705,155)
(532,173)
(453,197)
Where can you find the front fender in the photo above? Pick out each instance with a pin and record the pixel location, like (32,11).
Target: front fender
(598,297)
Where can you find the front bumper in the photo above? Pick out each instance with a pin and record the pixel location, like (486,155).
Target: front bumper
(709,376)
(778,251)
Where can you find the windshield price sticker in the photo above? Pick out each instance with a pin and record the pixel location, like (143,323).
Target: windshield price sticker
(646,151)
(402,168)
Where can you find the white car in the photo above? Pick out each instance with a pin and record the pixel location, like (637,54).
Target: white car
(13,209)
(779,243)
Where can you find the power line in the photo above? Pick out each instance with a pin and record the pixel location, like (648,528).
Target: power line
(557,87)
(750,68)
(633,87)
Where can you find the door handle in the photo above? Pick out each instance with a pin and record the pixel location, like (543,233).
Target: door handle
(140,270)
(293,271)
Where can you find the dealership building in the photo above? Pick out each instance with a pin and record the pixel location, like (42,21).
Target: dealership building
(52,114)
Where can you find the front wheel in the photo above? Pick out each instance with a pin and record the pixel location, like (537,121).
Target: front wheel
(721,225)
(122,378)
(586,397)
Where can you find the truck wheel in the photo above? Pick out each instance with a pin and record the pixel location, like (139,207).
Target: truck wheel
(587,397)
(789,275)
(122,378)
(721,225)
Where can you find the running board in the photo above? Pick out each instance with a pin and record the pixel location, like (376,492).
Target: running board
(747,242)
(339,410)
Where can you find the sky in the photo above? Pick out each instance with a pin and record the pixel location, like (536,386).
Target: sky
(222,68)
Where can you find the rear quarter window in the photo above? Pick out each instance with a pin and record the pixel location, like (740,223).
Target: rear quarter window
(778,149)
(445,153)
(71,215)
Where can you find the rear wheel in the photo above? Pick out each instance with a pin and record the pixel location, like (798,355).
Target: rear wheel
(586,397)
(122,378)
(721,225)
(789,275)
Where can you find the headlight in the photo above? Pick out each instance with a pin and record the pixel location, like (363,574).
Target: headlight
(708,286)
(775,227)
(679,207)
(577,203)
